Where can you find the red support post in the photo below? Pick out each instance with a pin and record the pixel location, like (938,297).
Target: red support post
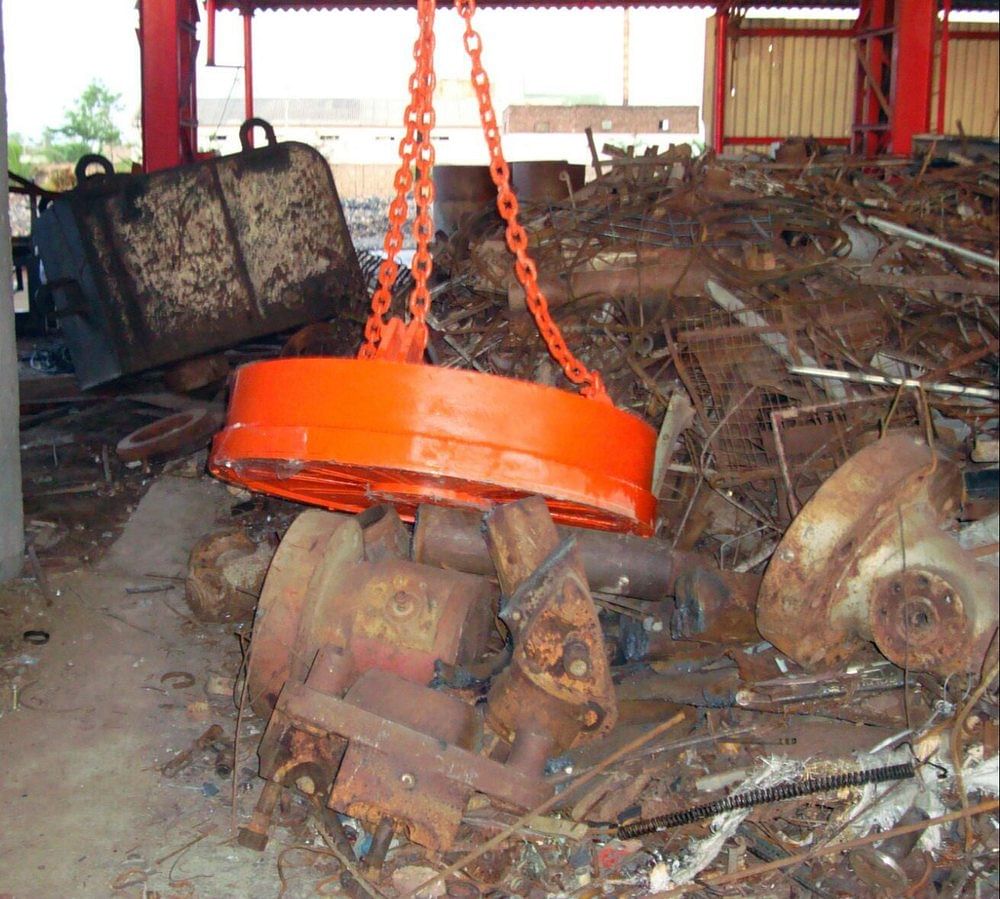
(210,41)
(248,66)
(167,50)
(943,66)
(719,88)
(913,70)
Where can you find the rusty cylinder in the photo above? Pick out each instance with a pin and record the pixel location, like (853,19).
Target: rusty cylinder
(619,564)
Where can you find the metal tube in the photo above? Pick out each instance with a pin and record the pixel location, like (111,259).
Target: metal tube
(943,65)
(248,68)
(719,88)
(930,240)
(987,393)
(210,39)
(619,564)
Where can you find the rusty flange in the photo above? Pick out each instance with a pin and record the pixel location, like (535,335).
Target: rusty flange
(178,433)
(868,560)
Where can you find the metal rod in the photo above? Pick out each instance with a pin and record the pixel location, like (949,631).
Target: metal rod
(858,377)
(210,39)
(719,88)
(930,240)
(248,68)
(943,65)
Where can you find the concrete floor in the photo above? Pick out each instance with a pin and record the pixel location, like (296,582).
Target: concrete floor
(86,810)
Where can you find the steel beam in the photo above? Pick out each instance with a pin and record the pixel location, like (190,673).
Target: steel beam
(913,72)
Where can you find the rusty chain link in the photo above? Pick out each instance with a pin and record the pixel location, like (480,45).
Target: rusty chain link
(589,382)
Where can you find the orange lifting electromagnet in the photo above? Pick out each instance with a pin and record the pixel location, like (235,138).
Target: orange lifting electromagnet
(347,434)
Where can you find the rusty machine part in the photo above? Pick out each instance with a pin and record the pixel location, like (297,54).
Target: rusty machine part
(142,276)
(339,581)
(181,432)
(460,193)
(225,572)
(621,564)
(715,606)
(868,559)
(557,690)
(546,180)
(386,749)
(193,374)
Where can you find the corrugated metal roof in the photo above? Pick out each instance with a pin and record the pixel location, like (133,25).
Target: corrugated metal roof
(304,5)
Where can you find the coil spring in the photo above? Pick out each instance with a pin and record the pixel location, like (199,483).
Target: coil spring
(370,263)
(764,795)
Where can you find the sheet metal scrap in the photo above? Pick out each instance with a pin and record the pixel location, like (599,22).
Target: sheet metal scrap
(868,559)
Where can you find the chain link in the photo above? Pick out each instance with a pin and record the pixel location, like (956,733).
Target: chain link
(415,151)
(590,382)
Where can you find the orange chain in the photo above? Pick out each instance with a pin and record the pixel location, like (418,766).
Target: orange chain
(416,151)
(590,382)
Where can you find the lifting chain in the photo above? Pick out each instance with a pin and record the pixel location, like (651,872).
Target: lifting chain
(416,149)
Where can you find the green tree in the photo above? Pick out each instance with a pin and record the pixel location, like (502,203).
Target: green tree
(15,150)
(90,120)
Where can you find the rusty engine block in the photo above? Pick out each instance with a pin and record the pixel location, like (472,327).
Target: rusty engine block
(349,636)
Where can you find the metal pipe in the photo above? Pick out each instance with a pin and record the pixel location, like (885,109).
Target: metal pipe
(248,68)
(858,377)
(210,40)
(930,240)
(943,65)
(719,88)
(618,564)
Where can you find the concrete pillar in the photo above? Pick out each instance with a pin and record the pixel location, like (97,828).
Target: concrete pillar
(11,508)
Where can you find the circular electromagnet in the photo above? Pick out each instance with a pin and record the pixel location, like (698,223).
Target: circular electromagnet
(348,433)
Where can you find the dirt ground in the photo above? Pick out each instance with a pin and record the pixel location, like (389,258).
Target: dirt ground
(120,687)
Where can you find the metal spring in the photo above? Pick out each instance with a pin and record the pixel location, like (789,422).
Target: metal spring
(764,795)
(371,262)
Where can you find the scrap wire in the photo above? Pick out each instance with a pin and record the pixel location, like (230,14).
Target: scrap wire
(990,805)
(766,795)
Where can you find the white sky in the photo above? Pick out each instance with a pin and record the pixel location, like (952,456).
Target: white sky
(55,47)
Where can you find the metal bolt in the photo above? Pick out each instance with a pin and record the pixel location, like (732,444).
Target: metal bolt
(786,555)
(409,781)
(403,604)
(306,785)
(578,667)
(576,659)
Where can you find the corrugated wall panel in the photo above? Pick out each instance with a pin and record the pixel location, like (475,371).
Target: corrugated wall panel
(804,86)
(973,88)
(786,86)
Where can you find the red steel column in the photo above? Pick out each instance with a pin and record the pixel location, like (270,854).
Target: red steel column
(719,87)
(167,50)
(913,72)
(210,40)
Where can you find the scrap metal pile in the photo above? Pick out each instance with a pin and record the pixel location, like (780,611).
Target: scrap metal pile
(792,688)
